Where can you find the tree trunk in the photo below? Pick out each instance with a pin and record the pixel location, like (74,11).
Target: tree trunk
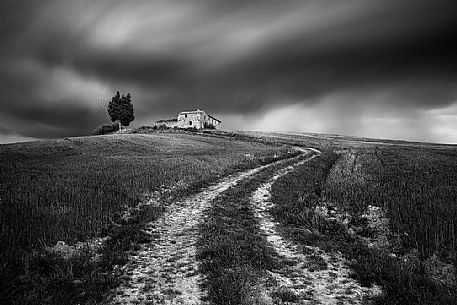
(120,126)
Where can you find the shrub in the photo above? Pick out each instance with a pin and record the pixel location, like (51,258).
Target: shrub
(162,127)
(105,129)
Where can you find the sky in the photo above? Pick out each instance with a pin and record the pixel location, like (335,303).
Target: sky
(378,68)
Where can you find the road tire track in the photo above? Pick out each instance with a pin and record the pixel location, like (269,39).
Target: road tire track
(165,270)
(312,276)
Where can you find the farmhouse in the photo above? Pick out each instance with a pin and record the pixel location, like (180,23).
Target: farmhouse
(191,119)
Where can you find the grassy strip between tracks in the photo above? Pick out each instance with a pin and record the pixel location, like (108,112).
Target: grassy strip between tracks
(233,252)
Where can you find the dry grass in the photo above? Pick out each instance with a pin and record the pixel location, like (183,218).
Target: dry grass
(74,189)
(233,251)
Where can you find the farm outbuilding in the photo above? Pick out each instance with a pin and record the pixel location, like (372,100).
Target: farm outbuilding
(191,119)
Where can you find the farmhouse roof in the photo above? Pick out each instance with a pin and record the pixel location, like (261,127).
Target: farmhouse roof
(191,111)
(214,118)
(199,111)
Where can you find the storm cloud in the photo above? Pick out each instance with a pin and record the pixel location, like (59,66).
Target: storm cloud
(368,68)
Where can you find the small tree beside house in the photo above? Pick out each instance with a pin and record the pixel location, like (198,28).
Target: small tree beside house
(121,109)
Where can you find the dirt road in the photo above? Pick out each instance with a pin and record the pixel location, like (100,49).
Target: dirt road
(165,271)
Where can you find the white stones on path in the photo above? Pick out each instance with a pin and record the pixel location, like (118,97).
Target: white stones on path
(165,270)
(312,276)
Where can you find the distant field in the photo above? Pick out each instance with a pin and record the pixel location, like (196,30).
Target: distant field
(332,141)
(72,189)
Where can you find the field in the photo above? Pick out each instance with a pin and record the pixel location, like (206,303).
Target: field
(371,214)
(410,249)
(73,189)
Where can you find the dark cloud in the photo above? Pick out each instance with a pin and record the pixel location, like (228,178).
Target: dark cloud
(231,58)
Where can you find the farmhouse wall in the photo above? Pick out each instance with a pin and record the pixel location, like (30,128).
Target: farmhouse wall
(192,119)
